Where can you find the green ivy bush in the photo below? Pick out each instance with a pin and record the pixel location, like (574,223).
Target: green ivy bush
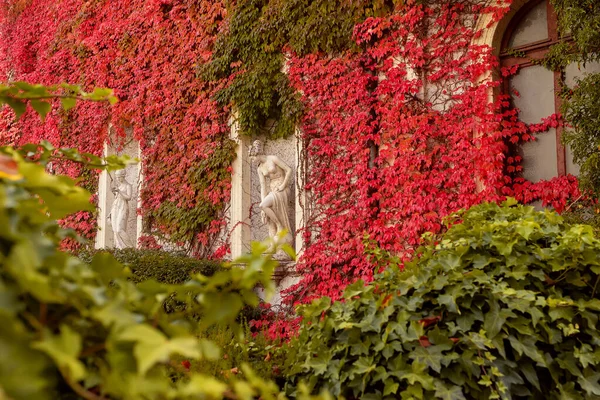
(503,305)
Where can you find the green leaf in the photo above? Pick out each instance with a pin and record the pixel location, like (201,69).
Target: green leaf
(23,370)
(431,356)
(153,347)
(448,392)
(64,349)
(60,194)
(494,319)
(391,387)
(413,392)
(449,301)
(68,103)
(202,384)
(116,313)
(526,228)
(18,106)
(364,365)
(568,392)
(530,373)
(107,267)
(209,350)
(41,107)
(354,289)
(25,261)
(224,307)
(590,384)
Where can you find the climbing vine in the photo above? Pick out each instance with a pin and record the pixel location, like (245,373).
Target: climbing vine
(258,41)
(398,126)
(149,52)
(580,21)
(403,132)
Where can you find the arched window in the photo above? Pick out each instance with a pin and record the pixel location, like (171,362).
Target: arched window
(529,35)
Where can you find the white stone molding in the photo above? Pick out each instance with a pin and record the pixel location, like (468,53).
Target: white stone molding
(240,193)
(300,200)
(103,209)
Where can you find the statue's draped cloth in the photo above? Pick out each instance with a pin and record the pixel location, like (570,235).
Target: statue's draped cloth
(281,203)
(119,215)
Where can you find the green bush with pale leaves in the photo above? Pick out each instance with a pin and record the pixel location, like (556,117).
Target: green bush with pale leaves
(87,326)
(70,328)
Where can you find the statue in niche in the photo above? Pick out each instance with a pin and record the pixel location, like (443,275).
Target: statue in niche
(274,197)
(119,213)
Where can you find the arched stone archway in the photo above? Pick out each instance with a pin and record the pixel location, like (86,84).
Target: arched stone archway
(493,31)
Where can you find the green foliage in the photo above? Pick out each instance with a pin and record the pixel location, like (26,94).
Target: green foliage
(87,326)
(161,266)
(579,22)
(584,212)
(261,91)
(252,51)
(582,110)
(252,351)
(17,95)
(503,305)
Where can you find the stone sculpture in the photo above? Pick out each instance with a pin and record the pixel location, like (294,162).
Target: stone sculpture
(275,194)
(119,212)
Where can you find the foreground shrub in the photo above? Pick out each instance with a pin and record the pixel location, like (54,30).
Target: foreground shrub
(504,306)
(161,266)
(168,267)
(253,351)
(69,329)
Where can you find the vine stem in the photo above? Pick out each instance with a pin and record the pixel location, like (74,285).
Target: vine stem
(573,203)
(80,390)
(595,286)
(43,314)
(93,349)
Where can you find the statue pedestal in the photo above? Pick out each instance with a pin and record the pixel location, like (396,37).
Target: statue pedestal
(284,276)
(286,269)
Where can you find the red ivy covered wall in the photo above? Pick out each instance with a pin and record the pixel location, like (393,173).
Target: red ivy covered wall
(398,131)
(149,52)
(403,133)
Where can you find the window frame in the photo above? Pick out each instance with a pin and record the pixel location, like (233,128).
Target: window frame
(536,51)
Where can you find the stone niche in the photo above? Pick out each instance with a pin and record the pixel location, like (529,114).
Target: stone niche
(285,149)
(245,214)
(107,181)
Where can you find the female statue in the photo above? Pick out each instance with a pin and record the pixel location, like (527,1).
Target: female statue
(274,197)
(119,212)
